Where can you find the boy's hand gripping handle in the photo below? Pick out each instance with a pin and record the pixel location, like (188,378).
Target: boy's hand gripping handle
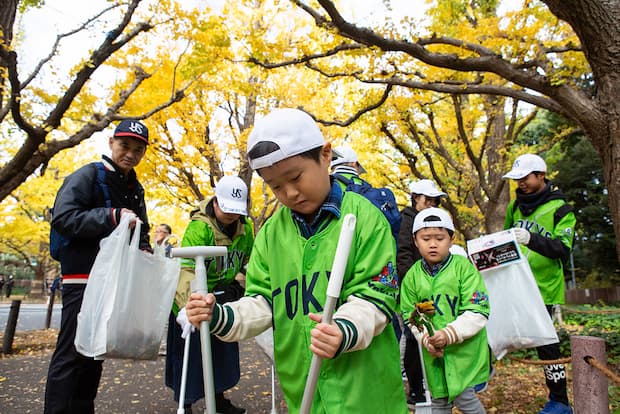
(199,284)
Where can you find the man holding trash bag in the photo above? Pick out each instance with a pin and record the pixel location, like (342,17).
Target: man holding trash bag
(88,207)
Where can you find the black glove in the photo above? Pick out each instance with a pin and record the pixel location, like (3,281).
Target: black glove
(228,293)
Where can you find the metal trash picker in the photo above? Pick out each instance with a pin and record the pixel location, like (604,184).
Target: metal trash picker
(334,287)
(199,284)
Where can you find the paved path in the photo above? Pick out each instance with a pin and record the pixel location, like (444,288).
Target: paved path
(132,387)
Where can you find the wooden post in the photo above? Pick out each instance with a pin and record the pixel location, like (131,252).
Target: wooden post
(589,384)
(11,324)
(50,309)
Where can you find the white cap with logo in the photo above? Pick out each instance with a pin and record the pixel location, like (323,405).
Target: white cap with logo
(427,188)
(287,132)
(344,154)
(232,195)
(432,217)
(524,165)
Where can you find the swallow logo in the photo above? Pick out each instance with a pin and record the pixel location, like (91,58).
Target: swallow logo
(135,128)
(236,193)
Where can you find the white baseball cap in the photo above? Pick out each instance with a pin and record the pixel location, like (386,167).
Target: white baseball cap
(232,195)
(524,165)
(439,218)
(344,154)
(427,188)
(286,132)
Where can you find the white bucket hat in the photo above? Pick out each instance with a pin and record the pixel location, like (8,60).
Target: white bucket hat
(427,188)
(344,154)
(524,165)
(288,131)
(232,195)
(421,222)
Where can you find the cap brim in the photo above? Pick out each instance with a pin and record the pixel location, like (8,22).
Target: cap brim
(232,207)
(131,135)
(515,175)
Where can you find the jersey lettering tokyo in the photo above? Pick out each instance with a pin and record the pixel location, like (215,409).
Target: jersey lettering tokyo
(458,287)
(292,273)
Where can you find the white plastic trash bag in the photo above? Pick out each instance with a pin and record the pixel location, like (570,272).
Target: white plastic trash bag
(518,317)
(127,299)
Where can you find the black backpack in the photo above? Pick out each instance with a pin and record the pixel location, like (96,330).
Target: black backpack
(382,198)
(58,241)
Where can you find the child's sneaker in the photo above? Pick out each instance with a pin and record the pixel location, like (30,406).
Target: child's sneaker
(554,407)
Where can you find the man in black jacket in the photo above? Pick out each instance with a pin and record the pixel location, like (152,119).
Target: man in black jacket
(424,194)
(88,207)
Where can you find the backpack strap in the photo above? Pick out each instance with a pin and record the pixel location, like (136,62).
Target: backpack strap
(102,184)
(349,181)
(563,210)
(343,179)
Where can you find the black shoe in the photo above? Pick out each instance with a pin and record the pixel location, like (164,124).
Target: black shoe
(187,408)
(414,398)
(224,406)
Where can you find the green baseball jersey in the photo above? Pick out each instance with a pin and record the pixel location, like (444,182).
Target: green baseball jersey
(204,231)
(456,288)
(548,272)
(292,273)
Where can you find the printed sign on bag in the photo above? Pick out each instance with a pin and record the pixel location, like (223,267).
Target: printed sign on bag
(493,250)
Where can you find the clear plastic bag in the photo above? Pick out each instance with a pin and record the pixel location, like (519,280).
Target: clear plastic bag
(518,318)
(127,299)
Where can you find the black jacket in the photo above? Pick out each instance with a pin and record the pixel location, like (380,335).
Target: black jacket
(407,253)
(81,216)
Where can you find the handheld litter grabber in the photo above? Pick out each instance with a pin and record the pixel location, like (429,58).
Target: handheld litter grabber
(199,284)
(420,319)
(334,287)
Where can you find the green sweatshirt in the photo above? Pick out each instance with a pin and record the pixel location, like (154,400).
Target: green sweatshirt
(204,231)
(550,243)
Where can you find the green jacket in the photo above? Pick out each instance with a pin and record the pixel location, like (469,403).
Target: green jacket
(458,287)
(292,273)
(552,227)
(204,231)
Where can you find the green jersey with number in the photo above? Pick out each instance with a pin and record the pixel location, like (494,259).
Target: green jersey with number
(292,273)
(458,287)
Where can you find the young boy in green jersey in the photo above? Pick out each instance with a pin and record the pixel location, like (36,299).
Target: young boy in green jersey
(544,225)
(288,272)
(456,352)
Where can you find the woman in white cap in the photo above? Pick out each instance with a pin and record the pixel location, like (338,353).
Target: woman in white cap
(218,221)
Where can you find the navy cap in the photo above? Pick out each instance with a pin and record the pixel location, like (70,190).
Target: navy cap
(132,129)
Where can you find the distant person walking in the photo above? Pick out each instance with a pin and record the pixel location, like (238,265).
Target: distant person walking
(9,286)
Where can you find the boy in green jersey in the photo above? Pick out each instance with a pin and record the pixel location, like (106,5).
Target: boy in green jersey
(456,352)
(544,225)
(288,272)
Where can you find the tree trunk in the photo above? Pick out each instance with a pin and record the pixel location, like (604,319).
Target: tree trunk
(8,10)
(597,24)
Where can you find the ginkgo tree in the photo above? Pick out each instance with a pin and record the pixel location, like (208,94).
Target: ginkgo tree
(557,55)
(45,121)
